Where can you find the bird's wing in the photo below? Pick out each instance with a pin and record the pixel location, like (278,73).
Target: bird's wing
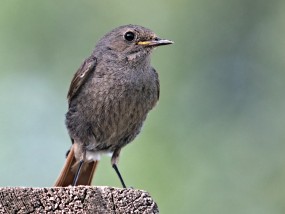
(81,75)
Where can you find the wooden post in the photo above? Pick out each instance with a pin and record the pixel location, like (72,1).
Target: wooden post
(79,199)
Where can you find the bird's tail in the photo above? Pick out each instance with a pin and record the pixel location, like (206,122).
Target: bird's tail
(68,172)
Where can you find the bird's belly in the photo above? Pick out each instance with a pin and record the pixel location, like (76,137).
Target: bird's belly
(107,121)
(96,155)
(120,122)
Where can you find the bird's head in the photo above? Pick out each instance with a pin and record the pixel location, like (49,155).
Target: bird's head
(131,42)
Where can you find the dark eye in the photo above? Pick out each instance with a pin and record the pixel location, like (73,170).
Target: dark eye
(129,36)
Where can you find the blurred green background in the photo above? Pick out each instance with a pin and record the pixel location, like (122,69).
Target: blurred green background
(214,144)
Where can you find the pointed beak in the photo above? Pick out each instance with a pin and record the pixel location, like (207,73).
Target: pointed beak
(155,42)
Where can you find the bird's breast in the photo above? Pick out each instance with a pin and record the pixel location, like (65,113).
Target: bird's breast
(112,109)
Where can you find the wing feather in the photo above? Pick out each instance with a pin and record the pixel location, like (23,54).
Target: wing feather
(80,76)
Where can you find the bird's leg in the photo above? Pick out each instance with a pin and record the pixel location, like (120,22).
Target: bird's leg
(119,175)
(114,161)
(81,162)
(77,172)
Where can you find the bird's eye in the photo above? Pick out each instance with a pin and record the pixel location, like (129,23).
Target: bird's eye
(129,36)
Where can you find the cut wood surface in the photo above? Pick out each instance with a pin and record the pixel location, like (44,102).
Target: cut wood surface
(79,199)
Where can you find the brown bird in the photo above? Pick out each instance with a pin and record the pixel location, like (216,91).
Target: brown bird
(109,98)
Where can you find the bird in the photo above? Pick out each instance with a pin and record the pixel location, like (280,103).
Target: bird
(109,99)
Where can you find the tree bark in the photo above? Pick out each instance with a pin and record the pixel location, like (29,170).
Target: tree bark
(79,199)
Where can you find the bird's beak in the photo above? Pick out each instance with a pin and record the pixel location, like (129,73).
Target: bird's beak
(155,42)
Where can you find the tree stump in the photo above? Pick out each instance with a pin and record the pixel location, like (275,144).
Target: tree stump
(79,199)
